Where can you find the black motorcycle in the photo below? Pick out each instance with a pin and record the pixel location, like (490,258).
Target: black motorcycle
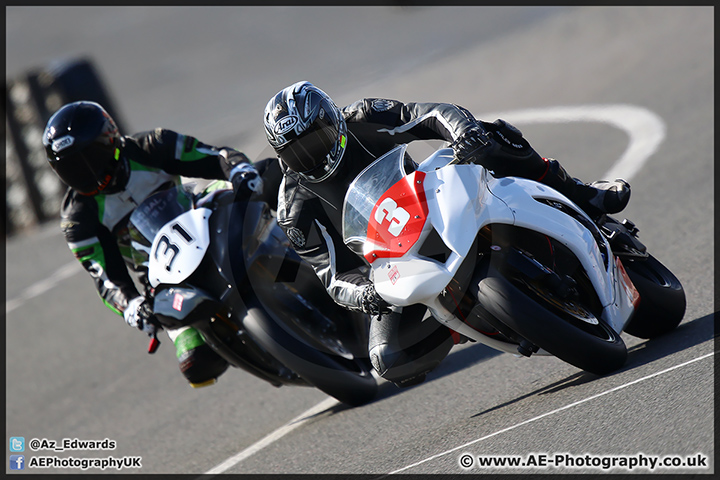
(224,267)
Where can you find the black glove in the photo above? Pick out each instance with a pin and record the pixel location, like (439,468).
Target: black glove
(372,303)
(471,146)
(509,137)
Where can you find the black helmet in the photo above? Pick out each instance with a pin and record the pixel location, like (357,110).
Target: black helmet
(83,147)
(307,130)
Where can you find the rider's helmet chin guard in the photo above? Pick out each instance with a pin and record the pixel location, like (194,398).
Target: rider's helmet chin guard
(307,131)
(82,143)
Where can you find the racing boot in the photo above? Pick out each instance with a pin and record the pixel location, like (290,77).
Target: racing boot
(595,198)
(199,363)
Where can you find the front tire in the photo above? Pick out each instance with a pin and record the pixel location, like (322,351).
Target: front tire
(568,330)
(348,380)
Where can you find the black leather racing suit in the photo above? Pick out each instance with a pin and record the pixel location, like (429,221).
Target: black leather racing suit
(311,216)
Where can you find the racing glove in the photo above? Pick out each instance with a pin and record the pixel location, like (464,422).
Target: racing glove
(138,314)
(509,137)
(246,179)
(372,303)
(471,146)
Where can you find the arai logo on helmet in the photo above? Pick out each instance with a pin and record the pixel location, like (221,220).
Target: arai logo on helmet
(285,124)
(62,143)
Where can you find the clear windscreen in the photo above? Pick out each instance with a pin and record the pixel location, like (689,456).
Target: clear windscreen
(364,192)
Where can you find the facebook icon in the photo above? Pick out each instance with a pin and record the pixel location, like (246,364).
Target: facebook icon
(17,462)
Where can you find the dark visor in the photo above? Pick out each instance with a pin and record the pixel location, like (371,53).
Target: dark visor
(87,170)
(310,150)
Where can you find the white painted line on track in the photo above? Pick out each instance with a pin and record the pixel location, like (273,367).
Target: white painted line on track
(645,129)
(36,289)
(553,412)
(272,437)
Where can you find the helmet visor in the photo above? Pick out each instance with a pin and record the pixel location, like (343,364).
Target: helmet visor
(308,153)
(88,171)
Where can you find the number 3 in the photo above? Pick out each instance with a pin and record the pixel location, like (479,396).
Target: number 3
(398,216)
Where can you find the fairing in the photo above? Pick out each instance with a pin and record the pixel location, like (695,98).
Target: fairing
(457,201)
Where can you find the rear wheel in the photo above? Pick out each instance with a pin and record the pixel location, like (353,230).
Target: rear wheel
(662,298)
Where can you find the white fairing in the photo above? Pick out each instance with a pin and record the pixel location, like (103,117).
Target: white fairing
(461,199)
(456,196)
(179,247)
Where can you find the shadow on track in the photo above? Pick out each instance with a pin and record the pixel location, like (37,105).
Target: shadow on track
(685,336)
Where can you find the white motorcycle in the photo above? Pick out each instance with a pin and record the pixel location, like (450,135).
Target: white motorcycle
(507,262)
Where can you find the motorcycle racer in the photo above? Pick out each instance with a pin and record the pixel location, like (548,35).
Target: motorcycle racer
(108,175)
(322,148)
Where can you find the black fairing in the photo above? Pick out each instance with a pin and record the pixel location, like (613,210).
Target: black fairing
(237,232)
(237,239)
(221,272)
(216,273)
(182,306)
(258,306)
(234,228)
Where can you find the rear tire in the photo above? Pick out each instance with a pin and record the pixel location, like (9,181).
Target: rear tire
(570,332)
(662,298)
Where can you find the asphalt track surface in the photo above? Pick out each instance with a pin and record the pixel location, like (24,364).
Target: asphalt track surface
(584,84)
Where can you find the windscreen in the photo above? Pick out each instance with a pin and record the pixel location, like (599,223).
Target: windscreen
(366,190)
(149,217)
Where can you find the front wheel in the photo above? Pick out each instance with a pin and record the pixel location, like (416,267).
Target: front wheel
(565,328)
(662,298)
(349,380)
